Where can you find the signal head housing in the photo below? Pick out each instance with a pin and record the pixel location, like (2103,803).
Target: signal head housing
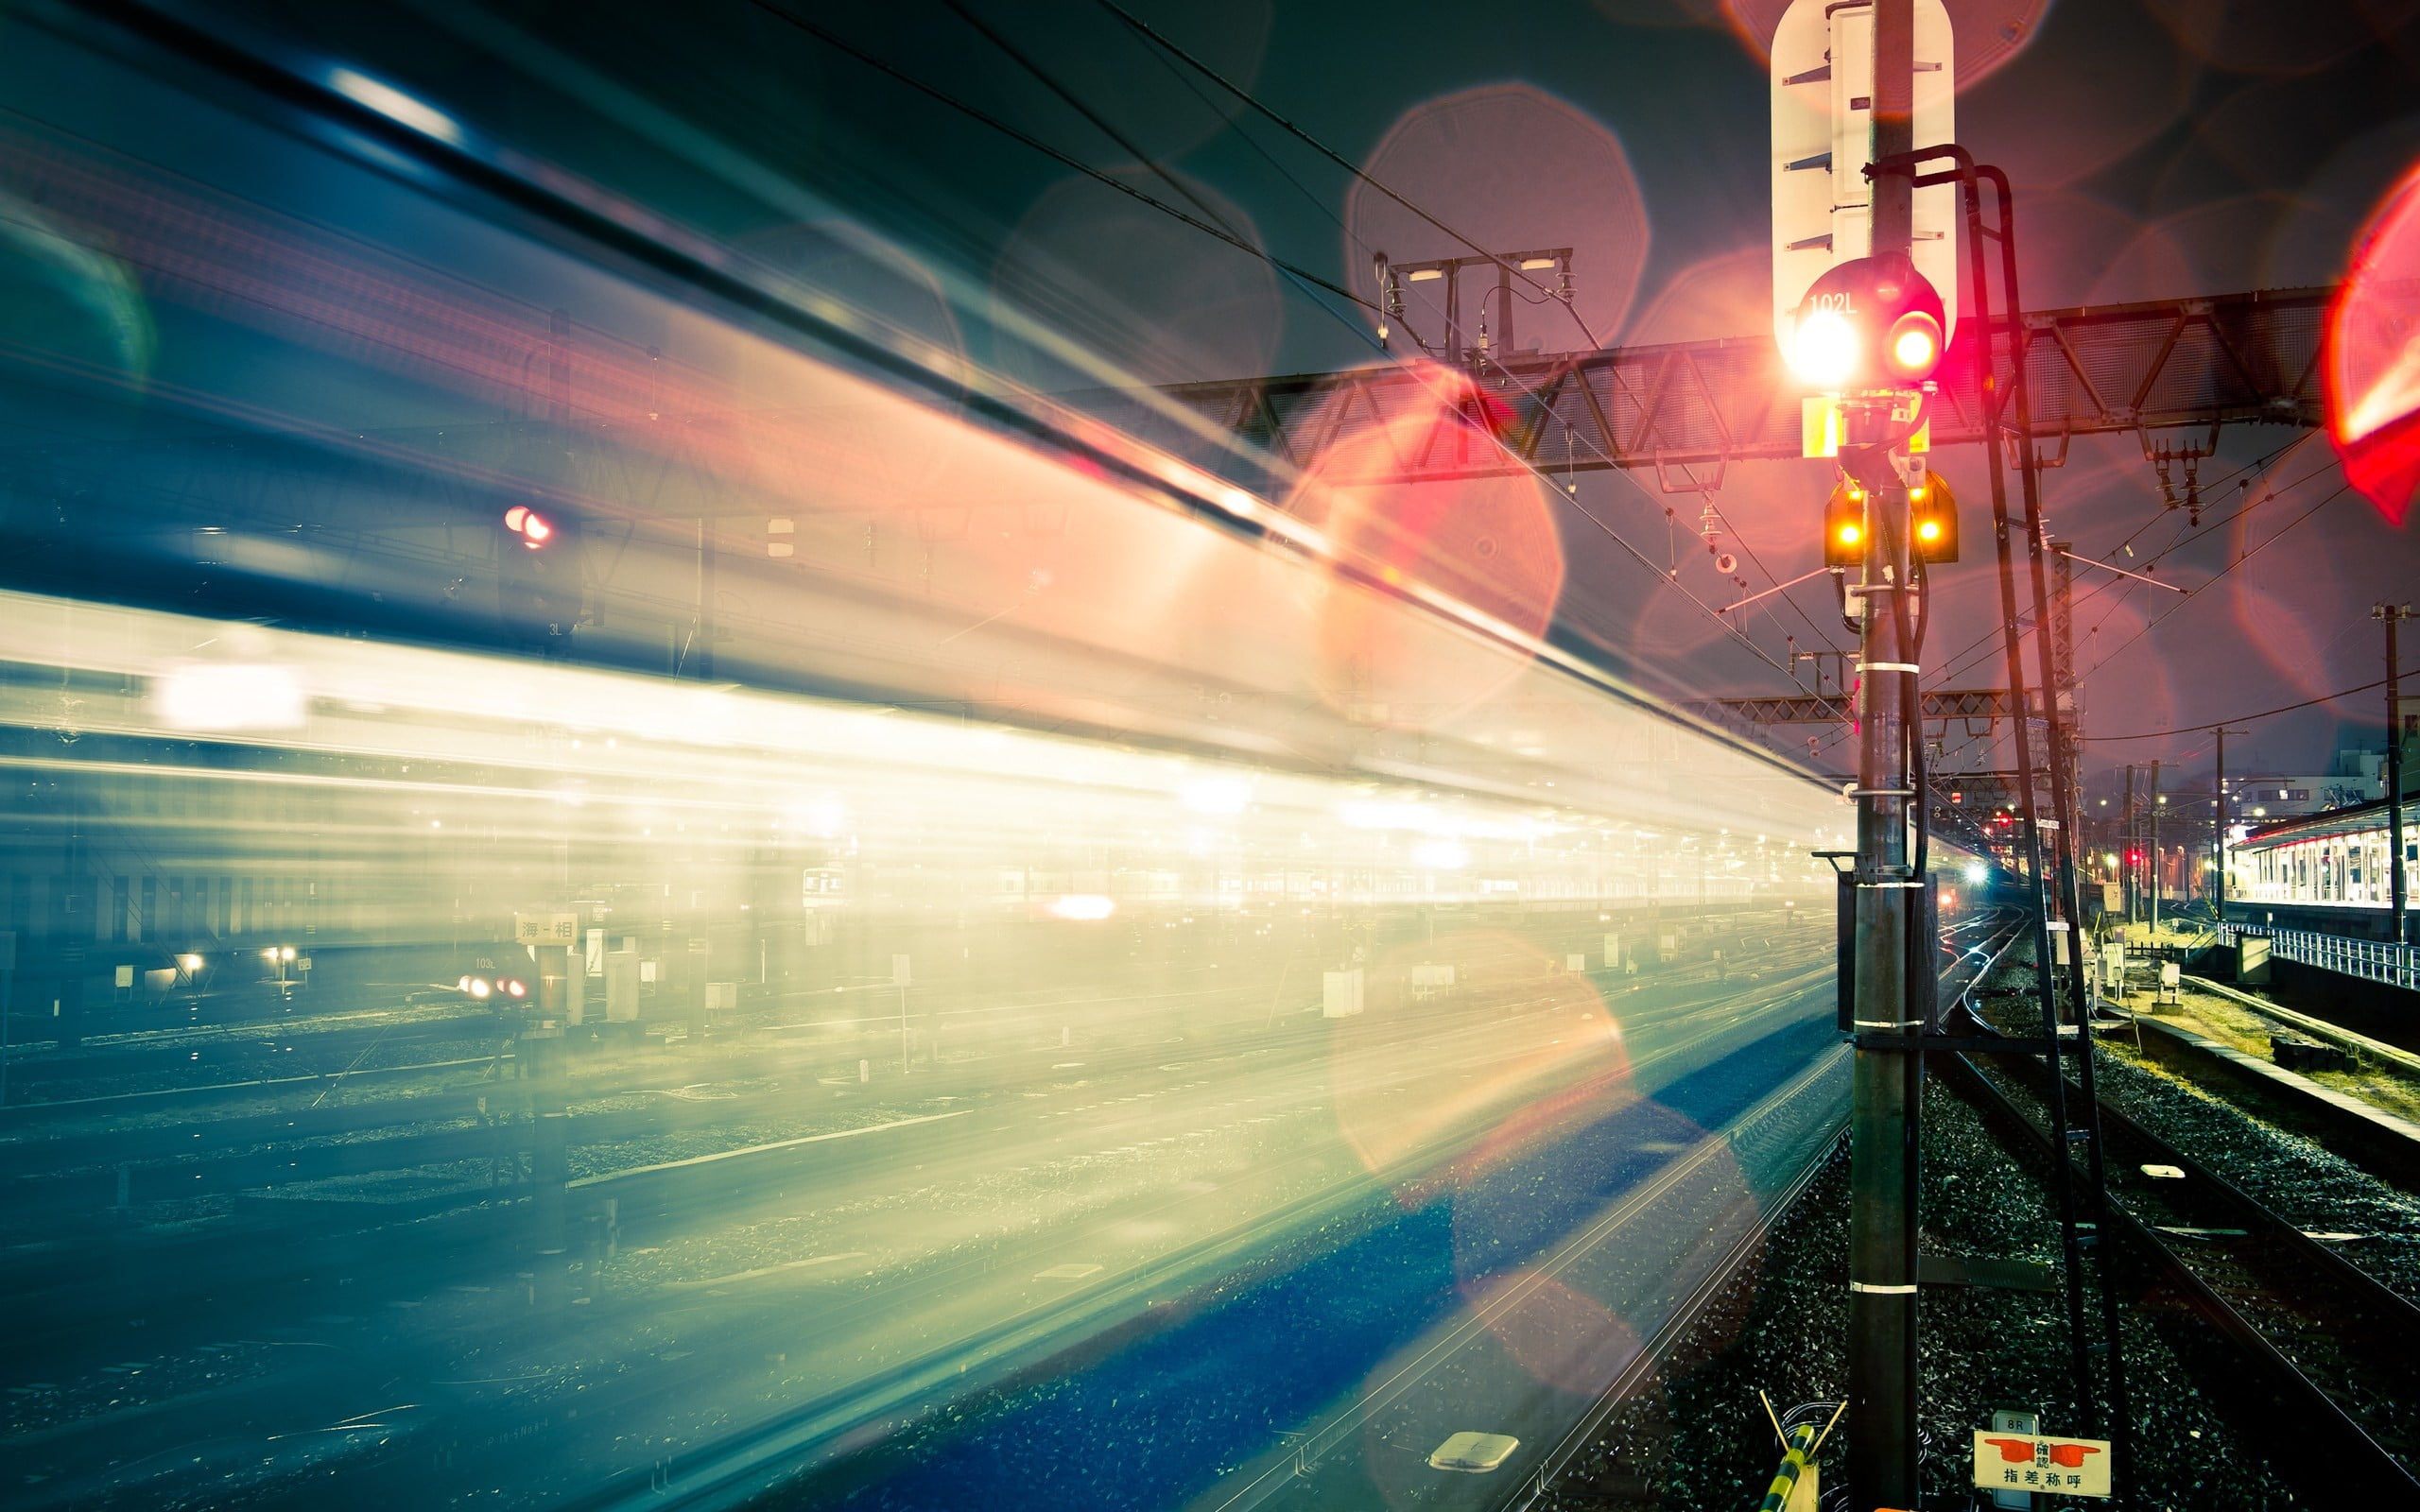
(1870,323)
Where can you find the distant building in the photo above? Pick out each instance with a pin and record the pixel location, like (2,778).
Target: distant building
(2280,795)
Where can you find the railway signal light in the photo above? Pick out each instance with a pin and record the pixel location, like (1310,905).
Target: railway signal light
(1932,520)
(1845,526)
(1933,517)
(539,587)
(534,529)
(1869,323)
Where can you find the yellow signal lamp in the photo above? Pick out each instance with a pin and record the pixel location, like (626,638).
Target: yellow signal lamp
(1933,511)
(1845,526)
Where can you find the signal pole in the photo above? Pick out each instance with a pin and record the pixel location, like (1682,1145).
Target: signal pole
(2392,615)
(1885,1089)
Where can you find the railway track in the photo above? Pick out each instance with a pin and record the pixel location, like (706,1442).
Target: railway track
(731,1473)
(438,1251)
(1965,972)
(67,1197)
(1284,1481)
(110,1160)
(2327,1354)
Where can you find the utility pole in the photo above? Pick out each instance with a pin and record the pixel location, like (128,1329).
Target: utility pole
(2219,824)
(2393,615)
(2153,807)
(2126,844)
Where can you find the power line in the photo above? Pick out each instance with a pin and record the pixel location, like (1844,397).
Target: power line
(2281,708)
(944,97)
(1982,648)
(1544,295)
(1146,29)
(1172,48)
(2151,624)
(1131,149)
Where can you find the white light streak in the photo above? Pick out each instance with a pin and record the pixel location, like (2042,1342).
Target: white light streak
(224,696)
(396,106)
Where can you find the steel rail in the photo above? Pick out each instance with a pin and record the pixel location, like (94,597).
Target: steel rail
(2338,1453)
(729,1473)
(1658,1349)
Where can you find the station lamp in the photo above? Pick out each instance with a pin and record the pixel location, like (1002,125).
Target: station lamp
(1869,323)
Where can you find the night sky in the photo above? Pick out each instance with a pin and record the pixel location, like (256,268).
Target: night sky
(2160,147)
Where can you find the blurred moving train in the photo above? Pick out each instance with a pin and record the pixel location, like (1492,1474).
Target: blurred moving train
(826,632)
(342,801)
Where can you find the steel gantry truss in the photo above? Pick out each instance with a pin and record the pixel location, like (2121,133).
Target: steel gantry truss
(1832,708)
(2224,359)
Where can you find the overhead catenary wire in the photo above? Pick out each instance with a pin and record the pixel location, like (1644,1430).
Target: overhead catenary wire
(1144,29)
(1125,144)
(1963,657)
(1982,648)
(943,97)
(2234,719)
(2153,623)
(1055,154)
(1966,657)
(1175,49)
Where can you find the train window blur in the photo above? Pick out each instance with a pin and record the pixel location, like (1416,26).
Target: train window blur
(643,869)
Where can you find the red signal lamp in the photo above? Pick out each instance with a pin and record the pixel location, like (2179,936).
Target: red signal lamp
(1869,323)
(534,529)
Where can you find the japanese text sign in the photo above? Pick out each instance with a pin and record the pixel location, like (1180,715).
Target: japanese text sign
(2034,1462)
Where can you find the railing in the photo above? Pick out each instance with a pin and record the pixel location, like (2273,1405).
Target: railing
(2373,960)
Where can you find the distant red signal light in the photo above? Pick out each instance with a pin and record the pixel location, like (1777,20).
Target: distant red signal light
(534,529)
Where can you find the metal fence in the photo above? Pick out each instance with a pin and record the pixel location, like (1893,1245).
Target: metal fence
(2375,960)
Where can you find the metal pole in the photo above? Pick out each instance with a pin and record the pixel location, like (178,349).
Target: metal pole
(550,1121)
(2393,614)
(1996,402)
(2126,842)
(704,658)
(2063,763)
(1882,1128)
(2219,834)
(2155,850)
(1884,1106)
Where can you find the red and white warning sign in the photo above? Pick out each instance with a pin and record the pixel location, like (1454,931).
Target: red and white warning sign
(2036,1462)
